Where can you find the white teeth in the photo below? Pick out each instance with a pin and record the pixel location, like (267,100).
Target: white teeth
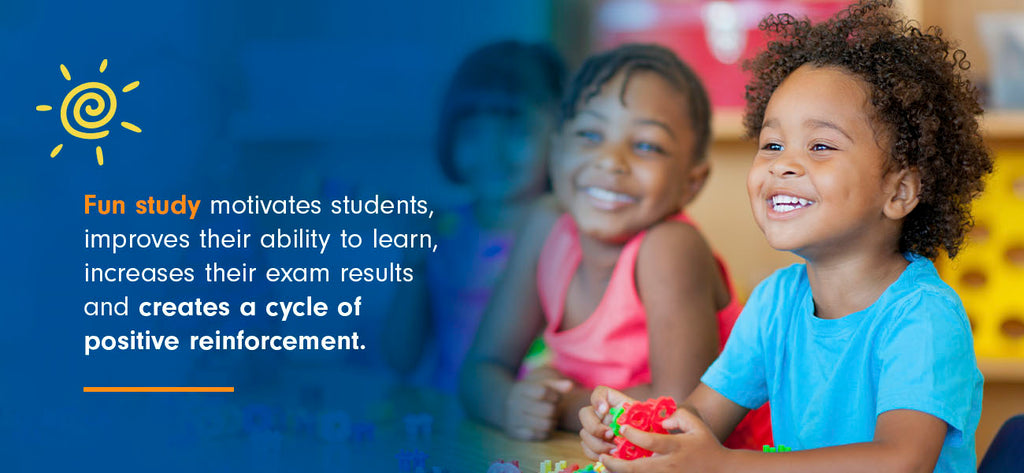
(789,199)
(604,194)
(787,203)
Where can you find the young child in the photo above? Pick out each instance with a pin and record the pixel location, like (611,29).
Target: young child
(869,155)
(495,119)
(623,287)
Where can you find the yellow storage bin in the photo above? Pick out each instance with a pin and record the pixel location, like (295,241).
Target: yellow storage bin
(989,272)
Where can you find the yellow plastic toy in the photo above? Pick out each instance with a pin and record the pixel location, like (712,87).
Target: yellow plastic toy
(988,274)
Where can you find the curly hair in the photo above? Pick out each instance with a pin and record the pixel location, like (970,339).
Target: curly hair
(629,58)
(918,93)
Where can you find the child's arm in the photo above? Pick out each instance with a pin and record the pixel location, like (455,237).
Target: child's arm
(677,279)
(525,409)
(676,276)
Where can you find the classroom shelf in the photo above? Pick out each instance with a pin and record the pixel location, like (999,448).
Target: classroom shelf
(727,125)
(1003,124)
(1002,370)
(997,125)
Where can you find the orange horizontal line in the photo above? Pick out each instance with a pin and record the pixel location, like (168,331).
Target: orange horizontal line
(148,389)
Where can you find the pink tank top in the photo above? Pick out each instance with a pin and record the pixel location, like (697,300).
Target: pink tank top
(611,347)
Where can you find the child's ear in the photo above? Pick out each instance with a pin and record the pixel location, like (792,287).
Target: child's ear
(904,188)
(697,176)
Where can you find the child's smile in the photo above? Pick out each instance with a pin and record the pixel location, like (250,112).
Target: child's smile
(785,205)
(606,198)
(818,181)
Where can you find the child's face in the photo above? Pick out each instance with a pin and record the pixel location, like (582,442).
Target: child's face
(625,161)
(817,183)
(501,155)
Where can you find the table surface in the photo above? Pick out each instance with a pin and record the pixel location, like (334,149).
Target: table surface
(456,443)
(463,445)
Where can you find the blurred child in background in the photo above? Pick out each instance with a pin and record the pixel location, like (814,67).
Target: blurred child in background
(495,120)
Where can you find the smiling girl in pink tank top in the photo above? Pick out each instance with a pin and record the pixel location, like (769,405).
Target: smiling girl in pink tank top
(623,287)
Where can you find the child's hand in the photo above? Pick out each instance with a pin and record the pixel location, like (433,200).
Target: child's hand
(531,411)
(596,436)
(695,449)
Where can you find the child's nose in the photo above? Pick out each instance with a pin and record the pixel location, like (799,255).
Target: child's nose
(785,165)
(613,161)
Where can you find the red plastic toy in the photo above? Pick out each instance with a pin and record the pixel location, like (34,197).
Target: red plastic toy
(646,416)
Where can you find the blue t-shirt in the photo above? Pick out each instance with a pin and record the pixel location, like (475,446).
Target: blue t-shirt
(828,380)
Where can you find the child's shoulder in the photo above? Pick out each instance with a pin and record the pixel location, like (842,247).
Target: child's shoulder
(920,276)
(679,231)
(920,293)
(784,280)
(537,224)
(675,250)
(674,240)
(542,216)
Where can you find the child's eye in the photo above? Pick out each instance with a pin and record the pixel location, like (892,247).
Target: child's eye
(771,147)
(821,147)
(590,136)
(648,147)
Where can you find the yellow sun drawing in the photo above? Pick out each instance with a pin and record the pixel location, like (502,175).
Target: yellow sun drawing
(93,98)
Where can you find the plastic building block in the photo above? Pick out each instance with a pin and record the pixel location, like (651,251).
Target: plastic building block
(501,467)
(560,467)
(419,458)
(410,460)
(646,416)
(362,432)
(780,448)
(418,425)
(988,273)
(335,426)
(404,462)
(616,412)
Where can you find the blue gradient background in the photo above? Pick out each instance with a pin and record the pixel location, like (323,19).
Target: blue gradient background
(315,99)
